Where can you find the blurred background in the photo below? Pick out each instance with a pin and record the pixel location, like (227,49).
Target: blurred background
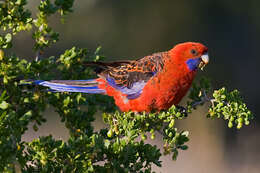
(133,29)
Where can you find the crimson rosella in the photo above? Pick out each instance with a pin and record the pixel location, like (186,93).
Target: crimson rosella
(154,82)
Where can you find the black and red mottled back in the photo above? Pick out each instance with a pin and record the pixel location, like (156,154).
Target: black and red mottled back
(126,73)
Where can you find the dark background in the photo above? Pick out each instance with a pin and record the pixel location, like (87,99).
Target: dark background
(132,29)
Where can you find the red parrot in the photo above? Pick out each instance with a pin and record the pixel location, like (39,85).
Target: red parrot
(152,83)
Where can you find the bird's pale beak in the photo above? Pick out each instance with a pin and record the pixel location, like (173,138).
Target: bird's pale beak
(204,60)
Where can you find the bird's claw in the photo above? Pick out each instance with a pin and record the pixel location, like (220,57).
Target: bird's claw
(182,110)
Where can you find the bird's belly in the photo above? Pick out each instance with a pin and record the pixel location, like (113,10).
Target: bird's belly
(160,94)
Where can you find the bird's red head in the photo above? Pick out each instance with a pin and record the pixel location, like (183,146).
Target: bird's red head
(190,54)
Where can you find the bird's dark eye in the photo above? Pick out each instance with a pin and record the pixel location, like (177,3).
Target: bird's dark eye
(193,52)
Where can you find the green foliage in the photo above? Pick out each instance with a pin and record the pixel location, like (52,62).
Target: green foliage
(14,17)
(132,125)
(45,35)
(231,106)
(123,147)
(223,104)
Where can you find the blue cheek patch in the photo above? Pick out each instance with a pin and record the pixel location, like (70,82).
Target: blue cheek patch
(193,63)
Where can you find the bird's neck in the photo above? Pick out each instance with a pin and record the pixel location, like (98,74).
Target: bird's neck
(175,66)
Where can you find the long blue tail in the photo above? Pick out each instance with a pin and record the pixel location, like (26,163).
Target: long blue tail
(82,86)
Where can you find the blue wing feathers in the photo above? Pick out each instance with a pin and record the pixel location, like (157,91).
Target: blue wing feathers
(91,86)
(132,93)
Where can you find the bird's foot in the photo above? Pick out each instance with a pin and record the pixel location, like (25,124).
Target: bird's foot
(182,110)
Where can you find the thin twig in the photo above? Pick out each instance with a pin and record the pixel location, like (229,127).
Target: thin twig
(204,99)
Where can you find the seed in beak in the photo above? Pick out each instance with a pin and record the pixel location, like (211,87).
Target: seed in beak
(204,60)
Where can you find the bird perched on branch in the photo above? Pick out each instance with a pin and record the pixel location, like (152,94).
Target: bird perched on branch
(152,83)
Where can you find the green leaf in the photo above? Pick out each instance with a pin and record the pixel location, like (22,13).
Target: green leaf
(4,105)
(8,38)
